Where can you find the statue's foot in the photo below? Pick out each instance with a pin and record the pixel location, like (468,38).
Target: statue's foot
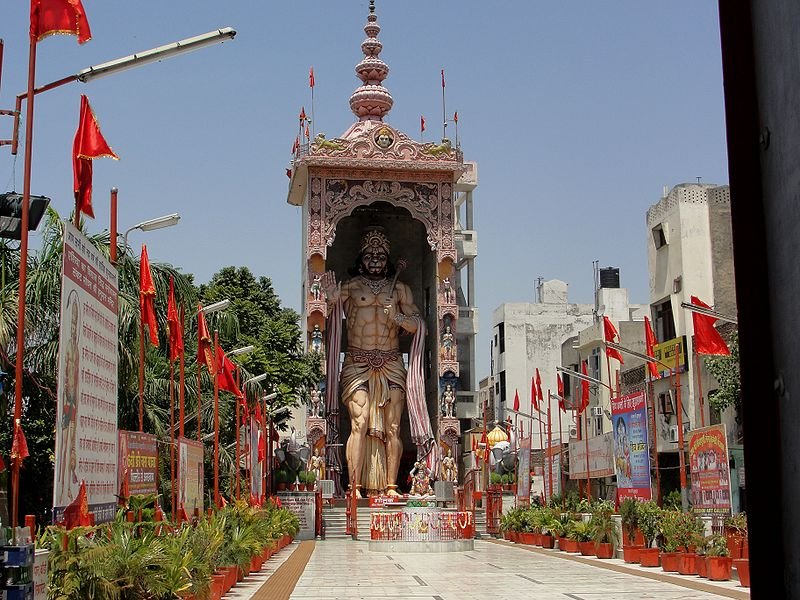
(358,494)
(391,490)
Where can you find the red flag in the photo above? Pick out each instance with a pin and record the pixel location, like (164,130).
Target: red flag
(76,514)
(204,354)
(311,77)
(262,448)
(584,390)
(296,145)
(421,123)
(259,415)
(707,339)
(534,396)
(19,445)
(67,17)
(302,114)
(455,117)
(539,385)
(610,335)
(88,144)
(516,401)
(226,373)
(474,443)
(307,133)
(650,341)
(147,295)
(560,384)
(442,78)
(174,325)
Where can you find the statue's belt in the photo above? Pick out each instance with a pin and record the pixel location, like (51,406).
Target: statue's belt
(376,359)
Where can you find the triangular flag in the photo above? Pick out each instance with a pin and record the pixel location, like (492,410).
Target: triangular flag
(455,117)
(49,17)
(539,386)
(584,389)
(226,375)
(302,114)
(516,401)
(421,123)
(19,445)
(88,144)
(308,135)
(296,145)
(650,342)
(534,395)
(205,355)
(442,78)
(311,77)
(147,295)
(174,325)
(707,339)
(610,335)
(76,514)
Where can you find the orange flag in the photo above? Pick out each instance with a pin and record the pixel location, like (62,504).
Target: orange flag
(147,296)
(66,17)
(76,514)
(707,340)
(610,335)
(89,143)
(19,445)
(311,77)
(534,396)
(204,353)
(227,373)
(650,341)
(174,326)
(584,389)
(539,386)
(516,401)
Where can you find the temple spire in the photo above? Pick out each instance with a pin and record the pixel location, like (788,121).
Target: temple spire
(371,101)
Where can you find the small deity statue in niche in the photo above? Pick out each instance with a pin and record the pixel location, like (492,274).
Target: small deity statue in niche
(449,468)
(316,465)
(316,402)
(316,288)
(448,343)
(447,291)
(448,400)
(316,339)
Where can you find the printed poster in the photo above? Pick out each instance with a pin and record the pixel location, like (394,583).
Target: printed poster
(86,423)
(138,462)
(631,449)
(601,454)
(552,464)
(710,470)
(524,469)
(190,475)
(256,478)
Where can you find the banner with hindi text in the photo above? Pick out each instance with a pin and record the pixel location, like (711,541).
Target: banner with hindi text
(710,471)
(138,462)
(631,450)
(190,475)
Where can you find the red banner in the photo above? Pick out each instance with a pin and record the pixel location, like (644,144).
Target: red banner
(710,470)
(138,460)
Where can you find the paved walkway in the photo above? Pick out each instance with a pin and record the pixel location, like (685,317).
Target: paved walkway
(497,570)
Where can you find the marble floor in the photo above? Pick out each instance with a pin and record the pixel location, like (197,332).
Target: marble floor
(349,570)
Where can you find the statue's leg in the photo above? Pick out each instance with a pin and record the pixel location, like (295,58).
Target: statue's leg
(394,445)
(358,406)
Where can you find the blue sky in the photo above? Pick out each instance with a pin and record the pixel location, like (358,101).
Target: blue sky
(577,112)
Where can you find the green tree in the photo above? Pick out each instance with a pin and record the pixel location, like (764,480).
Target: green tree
(725,370)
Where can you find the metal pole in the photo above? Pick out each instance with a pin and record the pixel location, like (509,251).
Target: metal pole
(216,420)
(181,390)
(699,388)
(588,479)
(652,407)
(172,438)
(141,371)
(236,466)
(23,275)
(264,492)
(112,250)
(681,461)
(549,447)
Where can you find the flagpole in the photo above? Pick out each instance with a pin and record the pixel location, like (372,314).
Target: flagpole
(181,391)
(586,436)
(199,369)
(311,83)
(560,446)
(652,407)
(216,418)
(684,498)
(23,273)
(172,437)
(549,447)
(699,386)
(237,432)
(444,112)
(141,366)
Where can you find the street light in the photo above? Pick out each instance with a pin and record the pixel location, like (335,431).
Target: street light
(241,350)
(255,379)
(152,225)
(217,306)
(270,416)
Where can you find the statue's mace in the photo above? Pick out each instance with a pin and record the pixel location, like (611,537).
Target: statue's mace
(401,266)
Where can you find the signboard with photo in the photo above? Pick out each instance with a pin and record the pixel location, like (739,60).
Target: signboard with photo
(86,423)
(190,475)
(138,463)
(524,469)
(631,450)
(601,455)
(710,471)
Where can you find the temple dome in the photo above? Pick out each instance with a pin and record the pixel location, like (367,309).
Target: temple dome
(371,101)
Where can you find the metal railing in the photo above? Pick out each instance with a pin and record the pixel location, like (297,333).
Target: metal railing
(432,525)
(494,510)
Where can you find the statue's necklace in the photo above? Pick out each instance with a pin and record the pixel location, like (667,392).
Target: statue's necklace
(376,285)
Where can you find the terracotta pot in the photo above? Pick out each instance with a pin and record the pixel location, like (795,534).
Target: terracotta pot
(630,554)
(217,586)
(743,569)
(281,487)
(526,538)
(701,562)
(571,545)
(638,538)
(719,568)
(537,539)
(669,562)
(587,548)
(745,548)
(734,545)
(605,550)
(548,541)
(687,563)
(649,557)
(255,564)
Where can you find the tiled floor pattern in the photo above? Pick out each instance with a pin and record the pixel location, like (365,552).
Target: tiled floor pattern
(348,570)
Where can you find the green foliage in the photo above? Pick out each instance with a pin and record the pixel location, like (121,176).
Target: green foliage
(672,501)
(580,531)
(738,523)
(629,511)
(716,545)
(669,539)
(505,479)
(604,530)
(495,478)
(725,370)
(649,521)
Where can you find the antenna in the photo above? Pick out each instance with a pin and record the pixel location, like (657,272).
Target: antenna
(596,278)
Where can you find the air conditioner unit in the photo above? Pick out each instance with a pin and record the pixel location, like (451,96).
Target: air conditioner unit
(573,433)
(673,433)
(597,411)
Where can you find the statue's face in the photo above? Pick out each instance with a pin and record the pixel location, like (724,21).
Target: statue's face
(374,262)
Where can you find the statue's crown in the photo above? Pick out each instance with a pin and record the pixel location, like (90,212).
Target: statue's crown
(375,239)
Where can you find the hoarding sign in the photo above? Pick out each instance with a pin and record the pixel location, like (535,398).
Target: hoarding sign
(138,462)
(601,454)
(710,471)
(631,450)
(190,475)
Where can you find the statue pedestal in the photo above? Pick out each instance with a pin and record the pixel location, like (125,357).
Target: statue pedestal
(421,528)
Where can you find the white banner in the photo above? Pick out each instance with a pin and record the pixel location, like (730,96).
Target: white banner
(86,426)
(601,457)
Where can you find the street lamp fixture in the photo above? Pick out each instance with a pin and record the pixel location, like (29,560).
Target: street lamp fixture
(242,350)
(708,312)
(152,225)
(217,306)
(271,396)
(158,54)
(256,379)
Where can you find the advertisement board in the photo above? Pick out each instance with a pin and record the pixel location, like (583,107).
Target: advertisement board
(86,422)
(631,449)
(524,469)
(138,462)
(601,457)
(710,471)
(190,475)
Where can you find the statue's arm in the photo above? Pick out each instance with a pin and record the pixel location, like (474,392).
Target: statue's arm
(333,290)
(405,317)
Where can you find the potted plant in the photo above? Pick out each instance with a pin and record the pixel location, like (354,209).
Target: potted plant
(495,479)
(572,539)
(690,532)
(736,534)
(604,534)
(719,560)
(701,560)
(649,515)
(551,528)
(281,479)
(628,510)
(583,534)
(669,539)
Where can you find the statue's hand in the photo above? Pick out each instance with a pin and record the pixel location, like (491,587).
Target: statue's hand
(389,307)
(329,285)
